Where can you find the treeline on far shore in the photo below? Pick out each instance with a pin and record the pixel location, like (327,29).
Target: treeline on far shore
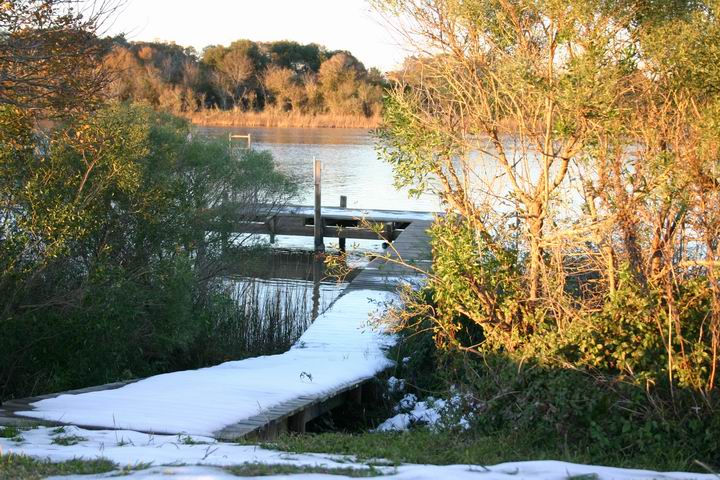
(247,83)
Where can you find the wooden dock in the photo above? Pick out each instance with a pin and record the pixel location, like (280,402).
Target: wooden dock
(383,274)
(336,222)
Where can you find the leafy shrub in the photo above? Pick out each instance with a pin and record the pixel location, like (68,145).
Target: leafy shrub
(552,407)
(110,273)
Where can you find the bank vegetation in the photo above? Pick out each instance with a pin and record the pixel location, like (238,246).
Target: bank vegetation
(575,292)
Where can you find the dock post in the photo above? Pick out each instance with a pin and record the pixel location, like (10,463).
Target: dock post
(272,226)
(318,230)
(317,274)
(389,231)
(247,137)
(342,240)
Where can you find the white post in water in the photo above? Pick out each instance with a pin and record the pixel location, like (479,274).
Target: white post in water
(247,137)
(319,243)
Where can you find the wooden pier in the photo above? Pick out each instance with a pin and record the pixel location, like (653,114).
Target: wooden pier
(315,221)
(335,222)
(383,274)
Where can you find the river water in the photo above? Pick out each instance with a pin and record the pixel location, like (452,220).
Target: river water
(350,163)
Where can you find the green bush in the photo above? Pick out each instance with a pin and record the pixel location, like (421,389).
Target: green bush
(565,409)
(109,272)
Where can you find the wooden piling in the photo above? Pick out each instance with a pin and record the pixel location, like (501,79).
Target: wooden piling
(317,275)
(272,227)
(318,230)
(389,231)
(342,240)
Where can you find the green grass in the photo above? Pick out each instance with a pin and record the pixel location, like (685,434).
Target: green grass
(67,440)
(259,470)
(188,440)
(13,433)
(446,448)
(19,467)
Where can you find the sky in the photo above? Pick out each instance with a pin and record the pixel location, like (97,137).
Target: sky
(337,24)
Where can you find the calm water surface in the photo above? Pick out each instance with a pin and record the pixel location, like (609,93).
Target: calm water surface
(351,165)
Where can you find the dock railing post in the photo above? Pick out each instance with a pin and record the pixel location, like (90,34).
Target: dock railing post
(318,230)
(341,240)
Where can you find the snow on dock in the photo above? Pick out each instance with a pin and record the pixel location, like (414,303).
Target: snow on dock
(262,395)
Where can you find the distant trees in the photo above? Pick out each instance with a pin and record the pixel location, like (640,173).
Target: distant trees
(246,75)
(342,78)
(162,75)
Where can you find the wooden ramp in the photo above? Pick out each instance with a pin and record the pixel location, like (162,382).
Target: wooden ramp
(383,274)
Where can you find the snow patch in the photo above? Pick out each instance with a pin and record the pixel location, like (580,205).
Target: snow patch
(195,458)
(395,385)
(433,413)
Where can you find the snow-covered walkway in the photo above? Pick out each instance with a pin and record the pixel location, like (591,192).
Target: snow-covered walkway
(338,349)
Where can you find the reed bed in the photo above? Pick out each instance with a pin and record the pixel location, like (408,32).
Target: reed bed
(262,318)
(236,118)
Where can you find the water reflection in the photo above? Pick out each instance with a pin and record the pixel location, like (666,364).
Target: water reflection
(285,283)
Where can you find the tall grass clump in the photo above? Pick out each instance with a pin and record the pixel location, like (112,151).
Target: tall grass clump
(255,317)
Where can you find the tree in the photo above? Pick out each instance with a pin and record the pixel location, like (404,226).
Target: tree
(281,84)
(340,77)
(518,82)
(49,53)
(234,72)
(574,146)
(299,58)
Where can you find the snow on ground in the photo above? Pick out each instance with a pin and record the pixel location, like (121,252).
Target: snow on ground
(431,412)
(338,348)
(357,248)
(196,458)
(130,448)
(542,470)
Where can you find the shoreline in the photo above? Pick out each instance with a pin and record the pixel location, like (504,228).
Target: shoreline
(218,118)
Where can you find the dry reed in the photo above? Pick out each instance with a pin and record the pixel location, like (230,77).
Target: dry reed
(236,118)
